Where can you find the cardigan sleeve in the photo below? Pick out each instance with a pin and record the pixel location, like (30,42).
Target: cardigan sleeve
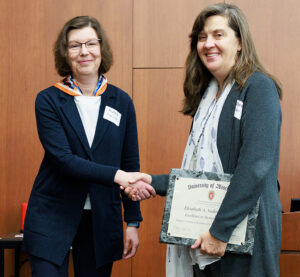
(160,184)
(257,163)
(57,149)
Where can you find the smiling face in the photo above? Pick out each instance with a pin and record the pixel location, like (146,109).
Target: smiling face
(83,62)
(218,46)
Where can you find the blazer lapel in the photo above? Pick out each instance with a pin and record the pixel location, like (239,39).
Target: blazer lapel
(103,125)
(70,110)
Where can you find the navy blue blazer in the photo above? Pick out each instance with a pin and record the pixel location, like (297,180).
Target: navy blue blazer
(71,169)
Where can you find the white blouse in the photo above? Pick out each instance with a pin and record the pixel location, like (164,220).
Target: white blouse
(88,108)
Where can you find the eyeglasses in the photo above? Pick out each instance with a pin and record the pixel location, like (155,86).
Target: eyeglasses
(90,45)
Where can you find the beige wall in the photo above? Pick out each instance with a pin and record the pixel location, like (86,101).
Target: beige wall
(149,39)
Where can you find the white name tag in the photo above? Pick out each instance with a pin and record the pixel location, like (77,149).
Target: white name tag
(112,115)
(238,109)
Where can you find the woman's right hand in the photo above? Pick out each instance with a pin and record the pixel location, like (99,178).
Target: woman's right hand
(135,184)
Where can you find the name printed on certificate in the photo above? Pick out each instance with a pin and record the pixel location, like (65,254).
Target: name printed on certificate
(194,206)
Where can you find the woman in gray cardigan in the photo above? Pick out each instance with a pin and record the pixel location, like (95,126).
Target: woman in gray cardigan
(236,130)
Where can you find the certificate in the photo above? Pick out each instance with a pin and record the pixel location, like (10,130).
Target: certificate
(193,200)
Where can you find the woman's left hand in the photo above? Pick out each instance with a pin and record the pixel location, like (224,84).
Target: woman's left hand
(131,242)
(210,245)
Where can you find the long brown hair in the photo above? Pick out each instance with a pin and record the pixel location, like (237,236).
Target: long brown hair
(61,45)
(197,75)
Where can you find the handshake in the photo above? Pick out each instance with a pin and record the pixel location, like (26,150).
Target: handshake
(136,185)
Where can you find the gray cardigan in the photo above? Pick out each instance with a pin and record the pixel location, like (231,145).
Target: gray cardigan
(249,149)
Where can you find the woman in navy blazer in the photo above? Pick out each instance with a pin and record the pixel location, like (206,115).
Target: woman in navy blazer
(237,103)
(88,130)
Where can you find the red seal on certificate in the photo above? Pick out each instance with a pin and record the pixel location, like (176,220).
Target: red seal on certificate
(211,195)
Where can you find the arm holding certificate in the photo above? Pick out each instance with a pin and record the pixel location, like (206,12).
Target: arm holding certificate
(236,114)
(193,200)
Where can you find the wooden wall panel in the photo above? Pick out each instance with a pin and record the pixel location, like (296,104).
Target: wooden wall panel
(289,265)
(163,132)
(275,31)
(27,66)
(290,245)
(161,30)
(290,240)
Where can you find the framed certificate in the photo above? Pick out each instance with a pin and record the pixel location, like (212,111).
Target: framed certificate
(192,202)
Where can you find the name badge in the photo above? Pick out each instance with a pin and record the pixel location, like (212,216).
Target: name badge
(238,109)
(112,115)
